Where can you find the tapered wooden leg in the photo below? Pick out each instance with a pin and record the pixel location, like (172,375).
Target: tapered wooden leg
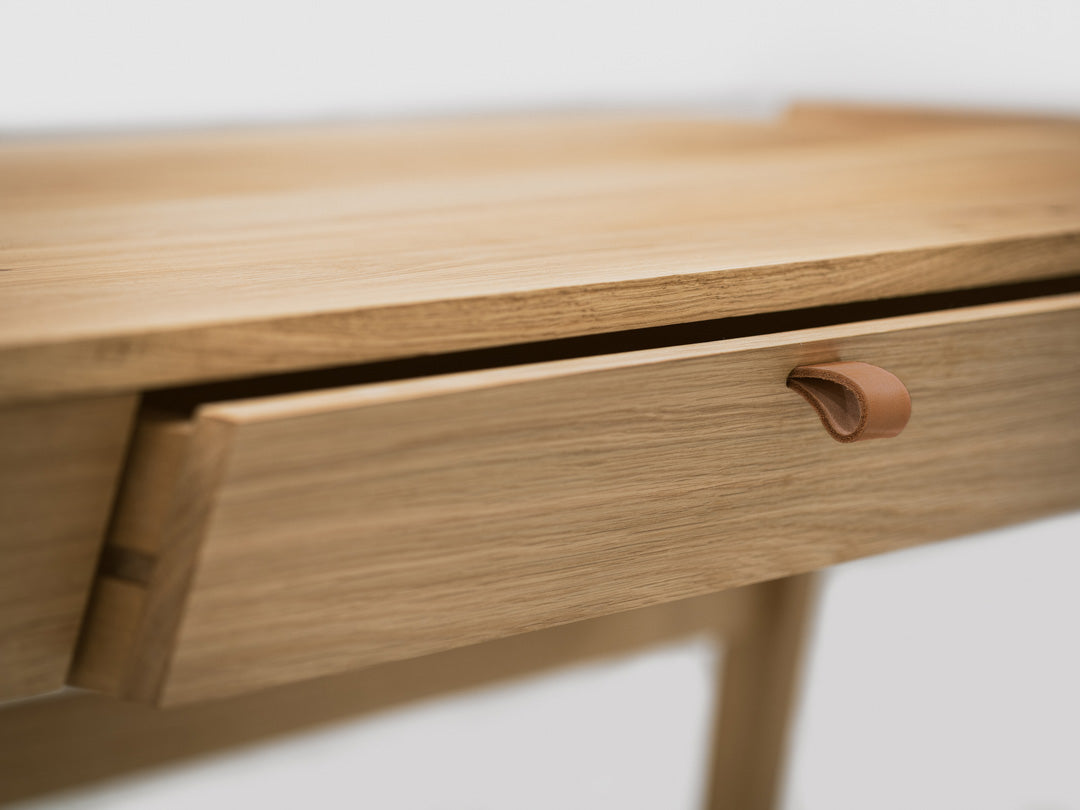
(757,695)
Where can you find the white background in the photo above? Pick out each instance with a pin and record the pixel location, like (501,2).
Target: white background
(943,677)
(135,62)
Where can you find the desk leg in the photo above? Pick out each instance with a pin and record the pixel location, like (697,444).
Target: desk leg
(757,695)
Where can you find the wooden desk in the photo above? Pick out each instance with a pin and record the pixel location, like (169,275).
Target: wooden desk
(352,400)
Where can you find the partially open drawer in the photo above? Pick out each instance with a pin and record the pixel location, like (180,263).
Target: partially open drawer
(269,540)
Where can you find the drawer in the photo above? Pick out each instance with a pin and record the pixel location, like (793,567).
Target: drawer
(268,540)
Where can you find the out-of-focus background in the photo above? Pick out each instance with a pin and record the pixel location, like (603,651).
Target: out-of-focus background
(121,63)
(942,677)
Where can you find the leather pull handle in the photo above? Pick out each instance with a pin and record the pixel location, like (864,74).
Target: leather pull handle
(855,400)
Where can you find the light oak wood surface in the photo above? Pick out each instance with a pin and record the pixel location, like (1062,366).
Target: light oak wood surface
(445,511)
(262,542)
(137,262)
(59,465)
(759,684)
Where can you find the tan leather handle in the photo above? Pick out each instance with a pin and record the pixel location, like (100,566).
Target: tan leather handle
(855,400)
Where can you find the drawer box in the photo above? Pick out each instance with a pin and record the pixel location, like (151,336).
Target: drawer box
(270,540)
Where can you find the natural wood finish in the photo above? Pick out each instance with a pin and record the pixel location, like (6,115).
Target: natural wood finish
(133,263)
(75,738)
(444,511)
(758,687)
(110,634)
(151,477)
(59,464)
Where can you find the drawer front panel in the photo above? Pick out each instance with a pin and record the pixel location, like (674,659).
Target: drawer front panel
(313,533)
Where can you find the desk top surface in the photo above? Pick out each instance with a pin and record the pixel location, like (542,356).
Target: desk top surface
(129,262)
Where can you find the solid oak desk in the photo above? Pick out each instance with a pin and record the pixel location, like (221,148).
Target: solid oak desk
(301,422)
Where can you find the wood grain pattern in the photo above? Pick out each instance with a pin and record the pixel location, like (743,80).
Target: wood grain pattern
(142,262)
(59,464)
(761,673)
(72,739)
(445,511)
